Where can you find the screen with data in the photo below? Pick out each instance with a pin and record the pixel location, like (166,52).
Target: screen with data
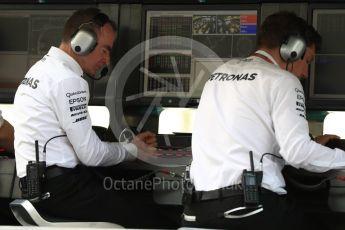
(327,79)
(26,36)
(184,47)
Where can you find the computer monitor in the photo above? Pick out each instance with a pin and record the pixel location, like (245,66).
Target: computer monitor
(180,46)
(183,47)
(326,88)
(26,35)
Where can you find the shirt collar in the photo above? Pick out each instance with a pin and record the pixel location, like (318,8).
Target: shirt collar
(66,59)
(267,55)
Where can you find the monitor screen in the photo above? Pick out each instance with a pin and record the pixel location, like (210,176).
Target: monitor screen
(327,79)
(185,47)
(26,36)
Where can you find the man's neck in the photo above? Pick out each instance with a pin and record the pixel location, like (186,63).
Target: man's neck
(275,55)
(67,49)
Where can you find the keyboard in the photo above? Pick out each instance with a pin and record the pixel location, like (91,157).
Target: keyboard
(174,141)
(173,157)
(174,150)
(175,153)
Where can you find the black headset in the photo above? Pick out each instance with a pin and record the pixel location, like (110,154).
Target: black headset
(84,39)
(293,48)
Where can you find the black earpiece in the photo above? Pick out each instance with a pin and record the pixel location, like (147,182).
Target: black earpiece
(84,39)
(293,48)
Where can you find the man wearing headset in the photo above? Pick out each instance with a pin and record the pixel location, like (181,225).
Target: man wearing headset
(52,101)
(256,104)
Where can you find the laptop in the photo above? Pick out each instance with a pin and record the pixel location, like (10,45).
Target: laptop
(174,149)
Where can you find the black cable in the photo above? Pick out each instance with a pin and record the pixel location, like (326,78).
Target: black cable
(287,65)
(45,145)
(271,154)
(147,176)
(170,173)
(167,172)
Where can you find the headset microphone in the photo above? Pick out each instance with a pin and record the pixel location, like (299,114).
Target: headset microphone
(104,71)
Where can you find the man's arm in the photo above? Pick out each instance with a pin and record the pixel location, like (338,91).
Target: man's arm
(72,114)
(292,131)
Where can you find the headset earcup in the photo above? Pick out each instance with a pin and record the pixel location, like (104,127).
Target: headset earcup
(83,42)
(293,49)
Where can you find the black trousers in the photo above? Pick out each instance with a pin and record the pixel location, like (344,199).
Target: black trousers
(81,194)
(279,212)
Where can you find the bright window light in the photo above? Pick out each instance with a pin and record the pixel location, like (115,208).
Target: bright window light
(334,123)
(99,114)
(176,120)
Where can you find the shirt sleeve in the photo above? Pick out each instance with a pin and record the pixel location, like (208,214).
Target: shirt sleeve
(70,102)
(292,131)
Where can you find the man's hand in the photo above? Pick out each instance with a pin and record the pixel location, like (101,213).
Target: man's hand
(325,138)
(148,138)
(146,143)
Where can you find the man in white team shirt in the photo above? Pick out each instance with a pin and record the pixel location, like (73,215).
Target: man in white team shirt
(257,104)
(51,101)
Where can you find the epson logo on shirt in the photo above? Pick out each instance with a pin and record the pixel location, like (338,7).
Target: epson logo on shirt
(78,100)
(232,77)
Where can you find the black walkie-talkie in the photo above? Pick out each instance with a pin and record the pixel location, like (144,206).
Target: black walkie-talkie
(35,173)
(250,185)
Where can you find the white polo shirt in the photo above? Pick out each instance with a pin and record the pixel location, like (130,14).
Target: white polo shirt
(52,100)
(253,105)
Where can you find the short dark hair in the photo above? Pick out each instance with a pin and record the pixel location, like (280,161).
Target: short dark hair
(83,16)
(279,26)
